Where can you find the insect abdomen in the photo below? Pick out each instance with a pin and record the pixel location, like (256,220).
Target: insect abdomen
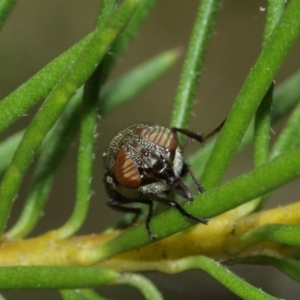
(126,170)
(160,136)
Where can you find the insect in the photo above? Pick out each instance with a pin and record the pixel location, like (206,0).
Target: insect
(143,163)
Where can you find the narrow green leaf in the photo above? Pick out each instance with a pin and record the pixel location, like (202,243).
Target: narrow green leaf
(193,63)
(52,152)
(81,294)
(136,80)
(144,285)
(286,96)
(15,105)
(224,276)
(262,131)
(14,278)
(122,42)
(280,233)
(274,13)
(7,149)
(262,121)
(106,9)
(72,295)
(91,295)
(289,137)
(88,123)
(262,126)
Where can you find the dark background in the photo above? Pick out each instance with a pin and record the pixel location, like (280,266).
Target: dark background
(39,30)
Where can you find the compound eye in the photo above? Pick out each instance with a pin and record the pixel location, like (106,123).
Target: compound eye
(160,136)
(126,171)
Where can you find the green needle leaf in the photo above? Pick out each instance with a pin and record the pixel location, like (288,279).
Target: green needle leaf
(280,233)
(231,281)
(144,285)
(193,63)
(13,278)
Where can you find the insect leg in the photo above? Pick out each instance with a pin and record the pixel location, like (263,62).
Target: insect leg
(176,205)
(216,130)
(149,217)
(187,169)
(196,136)
(119,206)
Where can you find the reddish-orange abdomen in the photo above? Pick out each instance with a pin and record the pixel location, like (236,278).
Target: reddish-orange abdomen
(126,171)
(159,136)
